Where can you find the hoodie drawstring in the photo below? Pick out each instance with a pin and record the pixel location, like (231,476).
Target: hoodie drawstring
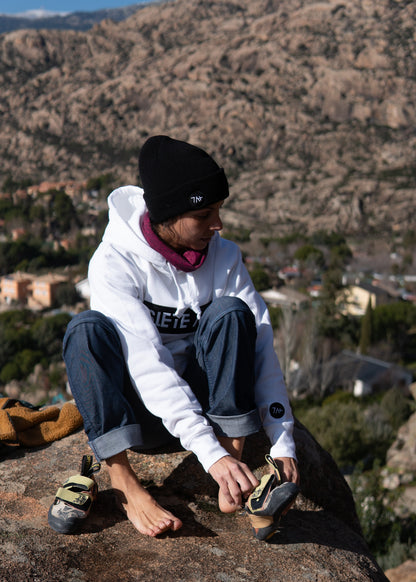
(182,296)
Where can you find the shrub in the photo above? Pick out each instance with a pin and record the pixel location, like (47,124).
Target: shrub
(396,406)
(67,294)
(311,255)
(350,433)
(275,315)
(390,538)
(340,397)
(338,428)
(374,515)
(10,372)
(260,278)
(26,361)
(48,333)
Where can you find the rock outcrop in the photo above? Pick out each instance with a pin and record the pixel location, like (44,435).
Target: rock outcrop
(402,453)
(319,538)
(308,105)
(400,471)
(406,572)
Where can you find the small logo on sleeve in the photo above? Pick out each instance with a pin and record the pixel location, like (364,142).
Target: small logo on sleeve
(277,410)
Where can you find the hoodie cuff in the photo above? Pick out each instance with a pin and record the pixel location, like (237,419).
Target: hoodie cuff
(208,450)
(284,447)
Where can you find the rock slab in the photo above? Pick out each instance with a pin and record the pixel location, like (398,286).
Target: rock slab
(319,539)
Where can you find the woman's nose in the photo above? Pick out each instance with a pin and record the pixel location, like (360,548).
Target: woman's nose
(216,223)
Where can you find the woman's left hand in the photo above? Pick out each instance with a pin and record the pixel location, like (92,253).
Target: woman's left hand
(288,469)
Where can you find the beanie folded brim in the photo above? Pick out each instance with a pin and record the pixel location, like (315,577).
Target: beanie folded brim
(185,197)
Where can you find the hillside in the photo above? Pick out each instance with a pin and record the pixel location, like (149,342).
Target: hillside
(308,105)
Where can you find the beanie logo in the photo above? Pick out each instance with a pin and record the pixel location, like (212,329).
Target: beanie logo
(196,199)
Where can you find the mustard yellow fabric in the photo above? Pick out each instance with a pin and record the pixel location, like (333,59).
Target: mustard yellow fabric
(21,425)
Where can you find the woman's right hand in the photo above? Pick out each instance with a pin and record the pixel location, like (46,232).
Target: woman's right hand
(235,480)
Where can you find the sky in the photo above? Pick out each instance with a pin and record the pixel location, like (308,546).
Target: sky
(13,7)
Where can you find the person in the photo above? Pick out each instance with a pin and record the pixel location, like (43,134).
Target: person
(177,343)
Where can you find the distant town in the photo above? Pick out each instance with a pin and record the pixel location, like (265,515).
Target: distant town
(81,215)
(322,285)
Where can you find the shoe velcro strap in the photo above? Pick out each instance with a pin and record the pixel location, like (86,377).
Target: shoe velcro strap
(76,499)
(80,482)
(259,496)
(273,464)
(258,491)
(88,467)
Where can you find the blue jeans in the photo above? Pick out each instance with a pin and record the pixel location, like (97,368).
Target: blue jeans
(220,372)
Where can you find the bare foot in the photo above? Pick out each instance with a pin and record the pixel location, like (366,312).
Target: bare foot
(225,506)
(147,516)
(234,446)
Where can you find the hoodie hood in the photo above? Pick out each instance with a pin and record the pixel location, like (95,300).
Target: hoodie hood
(126,210)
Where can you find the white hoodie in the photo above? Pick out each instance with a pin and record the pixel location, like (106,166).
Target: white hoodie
(131,283)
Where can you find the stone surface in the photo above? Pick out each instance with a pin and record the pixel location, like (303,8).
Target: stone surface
(402,453)
(319,539)
(406,572)
(405,505)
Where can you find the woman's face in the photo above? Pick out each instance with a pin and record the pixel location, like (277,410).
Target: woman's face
(194,229)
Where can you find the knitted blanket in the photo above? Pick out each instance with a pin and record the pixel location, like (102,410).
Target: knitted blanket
(22,424)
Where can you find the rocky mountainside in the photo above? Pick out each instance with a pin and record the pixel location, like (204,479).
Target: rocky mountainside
(309,106)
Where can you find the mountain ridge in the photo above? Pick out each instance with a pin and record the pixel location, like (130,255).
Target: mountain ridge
(309,106)
(76,20)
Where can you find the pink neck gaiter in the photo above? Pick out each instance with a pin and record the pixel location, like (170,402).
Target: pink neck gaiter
(188,261)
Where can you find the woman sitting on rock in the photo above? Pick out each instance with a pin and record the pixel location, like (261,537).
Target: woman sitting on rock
(178,342)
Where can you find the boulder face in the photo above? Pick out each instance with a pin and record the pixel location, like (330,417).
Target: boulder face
(319,539)
(402,454)
(308,105)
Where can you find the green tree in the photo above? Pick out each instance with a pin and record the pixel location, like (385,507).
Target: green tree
(396,407)
(48,333)
(62,211)
(328,314)
(12,253)
(338,428)
(67,294)
(101,183)
(9,372)
(394,323)
(375,517)
(26,361)
(260,278)
(37,213)
(309,254)
(349,432)
(366,329)
(275,316)
(10,185)
(341,253)
(14,334)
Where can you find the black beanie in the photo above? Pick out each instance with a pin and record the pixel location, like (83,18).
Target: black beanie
(178,177)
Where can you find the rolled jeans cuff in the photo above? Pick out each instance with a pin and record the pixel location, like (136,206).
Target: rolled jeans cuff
(116,441)
(240,425)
